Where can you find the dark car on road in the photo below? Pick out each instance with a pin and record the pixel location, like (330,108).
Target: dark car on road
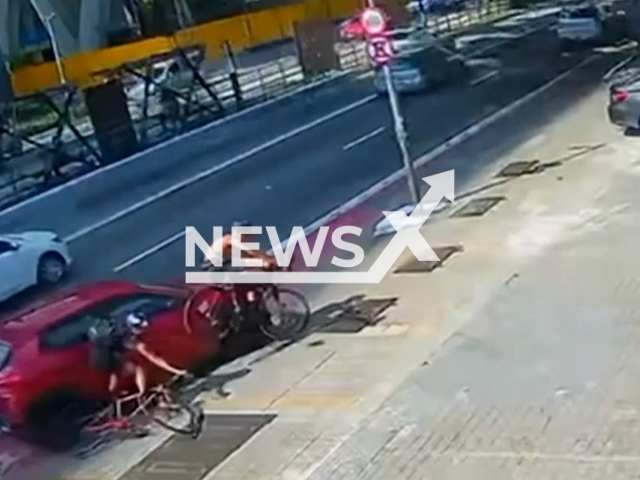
(624,99)
(422,69)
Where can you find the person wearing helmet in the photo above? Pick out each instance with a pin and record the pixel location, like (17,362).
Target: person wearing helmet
(115,339)
(223,250)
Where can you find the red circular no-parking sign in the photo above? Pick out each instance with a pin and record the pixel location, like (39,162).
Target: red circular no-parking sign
(380,49)
(373,21)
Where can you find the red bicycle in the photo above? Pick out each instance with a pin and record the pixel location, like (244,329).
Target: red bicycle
(280,313)
(129,417)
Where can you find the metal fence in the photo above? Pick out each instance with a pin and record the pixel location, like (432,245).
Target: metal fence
(36,155)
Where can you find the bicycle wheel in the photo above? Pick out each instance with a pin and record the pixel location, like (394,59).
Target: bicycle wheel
(289,314)
(179,416)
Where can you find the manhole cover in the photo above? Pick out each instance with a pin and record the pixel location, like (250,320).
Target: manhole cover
(182,458)
(517,169)
(353,315)
(478,207)
(416,266)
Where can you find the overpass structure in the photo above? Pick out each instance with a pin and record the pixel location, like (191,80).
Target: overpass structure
(75,25)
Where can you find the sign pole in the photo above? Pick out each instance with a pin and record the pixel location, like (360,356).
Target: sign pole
(398,122)
(401,136)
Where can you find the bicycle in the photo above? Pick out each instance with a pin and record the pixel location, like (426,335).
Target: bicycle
(280,313)
(161,404)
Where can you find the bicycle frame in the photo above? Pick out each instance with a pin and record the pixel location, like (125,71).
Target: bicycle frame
(121,422)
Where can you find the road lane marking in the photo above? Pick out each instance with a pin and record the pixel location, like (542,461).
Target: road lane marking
(484,78)
(220,167)
(363,139)
(147,253)
(399,174)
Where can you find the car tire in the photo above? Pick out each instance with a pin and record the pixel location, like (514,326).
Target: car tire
(54,423)
(51,269)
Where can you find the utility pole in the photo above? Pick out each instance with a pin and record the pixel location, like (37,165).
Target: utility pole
(381,52)
(48,26)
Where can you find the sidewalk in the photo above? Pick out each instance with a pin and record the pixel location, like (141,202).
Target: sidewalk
(517,359)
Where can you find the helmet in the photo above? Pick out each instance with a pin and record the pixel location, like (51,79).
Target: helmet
(137,320)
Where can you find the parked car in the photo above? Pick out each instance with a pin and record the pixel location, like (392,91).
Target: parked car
(46,377)
(174,74)
(590,24)
(422,70)
(29,259)
(435,6)
(624,99)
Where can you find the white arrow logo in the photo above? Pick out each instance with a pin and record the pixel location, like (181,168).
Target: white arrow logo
(442,186)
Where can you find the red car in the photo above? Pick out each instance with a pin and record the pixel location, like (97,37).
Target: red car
(44,350)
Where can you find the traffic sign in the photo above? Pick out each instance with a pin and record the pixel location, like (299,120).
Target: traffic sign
(380,49)
(373,21)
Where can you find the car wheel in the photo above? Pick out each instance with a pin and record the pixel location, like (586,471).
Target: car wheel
(54,423)
(51,269)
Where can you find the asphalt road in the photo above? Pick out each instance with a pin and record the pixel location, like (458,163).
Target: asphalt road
(300,179)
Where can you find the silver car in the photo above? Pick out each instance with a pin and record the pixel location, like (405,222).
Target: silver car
(422,70)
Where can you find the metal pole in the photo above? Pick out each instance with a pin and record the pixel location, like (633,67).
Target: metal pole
(54,46)
(46,22)
(401,133)
(401,136)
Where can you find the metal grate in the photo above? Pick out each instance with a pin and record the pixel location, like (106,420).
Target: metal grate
(416,266)
(517,169)
(352,315)
(478,207)
(187,459)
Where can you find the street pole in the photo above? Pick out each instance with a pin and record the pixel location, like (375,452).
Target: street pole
(46,22)
(54,46)
(401,136)
(401,133)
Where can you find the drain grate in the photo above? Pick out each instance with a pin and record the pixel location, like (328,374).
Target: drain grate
(416,266)
(478,207)
(353,315)
(517,169)
(187,459)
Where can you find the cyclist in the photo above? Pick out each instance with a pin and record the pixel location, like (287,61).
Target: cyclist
(113,339)
(223,250)
(223,254)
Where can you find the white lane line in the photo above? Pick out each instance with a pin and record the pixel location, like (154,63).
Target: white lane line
(363,138)
(220,167)
(147,253)
(399,174)
(484,78)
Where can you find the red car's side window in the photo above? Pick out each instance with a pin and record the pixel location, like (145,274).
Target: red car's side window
(74,330)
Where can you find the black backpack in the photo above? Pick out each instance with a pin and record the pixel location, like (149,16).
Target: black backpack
(103,338)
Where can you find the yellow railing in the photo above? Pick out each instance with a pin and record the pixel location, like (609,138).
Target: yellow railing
(241,32)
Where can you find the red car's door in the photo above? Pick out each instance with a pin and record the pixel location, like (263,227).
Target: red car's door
(64,359)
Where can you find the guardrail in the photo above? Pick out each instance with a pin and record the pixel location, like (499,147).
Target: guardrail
(35,170)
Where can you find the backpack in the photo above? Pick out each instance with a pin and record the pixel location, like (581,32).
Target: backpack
(103,338)
(103,332)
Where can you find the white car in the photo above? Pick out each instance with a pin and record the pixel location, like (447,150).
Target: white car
(29,259)
(582,23)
